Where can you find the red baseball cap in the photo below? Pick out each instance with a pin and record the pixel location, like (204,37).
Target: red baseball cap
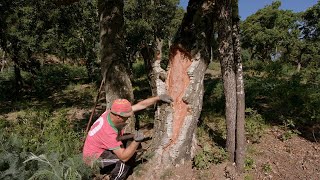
(122,107)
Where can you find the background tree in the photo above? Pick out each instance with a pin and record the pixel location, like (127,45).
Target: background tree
(30,31)
(240,125)
(266,31)
(311,35)
(149,27)
(231,69)
(114,67)
(228,73)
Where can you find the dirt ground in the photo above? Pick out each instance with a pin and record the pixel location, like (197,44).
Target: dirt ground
(272,158)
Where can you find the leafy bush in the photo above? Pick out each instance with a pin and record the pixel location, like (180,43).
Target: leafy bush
(254,126)
(12,157)
(209,153)
(41,132)
(50,168)
(249,163)
(282,94)
(207,156)
(138,69)
(52,78)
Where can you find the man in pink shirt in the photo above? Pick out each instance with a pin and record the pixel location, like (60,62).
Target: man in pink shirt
(101,144)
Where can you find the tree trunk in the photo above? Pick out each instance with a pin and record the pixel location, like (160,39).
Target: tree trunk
(112,52)
(156,75)
(240,127)
(18,80)
(174,137)
(228,73)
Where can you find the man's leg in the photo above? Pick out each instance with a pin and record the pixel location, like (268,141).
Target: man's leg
(120,170)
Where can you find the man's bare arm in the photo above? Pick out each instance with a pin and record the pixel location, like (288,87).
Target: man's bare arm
(150,101)
(145,103)
(124,154)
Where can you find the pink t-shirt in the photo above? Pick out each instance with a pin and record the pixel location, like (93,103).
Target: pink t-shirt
(102,136)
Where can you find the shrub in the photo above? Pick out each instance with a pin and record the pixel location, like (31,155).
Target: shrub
(50,168)
(209,153)
(254,126)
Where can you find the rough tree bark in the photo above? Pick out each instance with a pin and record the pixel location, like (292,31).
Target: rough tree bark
(228,73)
(112,52)
(152,58)
(240,126)
(174,129)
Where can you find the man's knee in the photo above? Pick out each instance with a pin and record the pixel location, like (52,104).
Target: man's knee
(120,171)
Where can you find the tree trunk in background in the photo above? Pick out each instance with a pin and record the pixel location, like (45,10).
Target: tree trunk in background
(174,136)
(156,75)
(18,80)
(240,127)
(112,52)
(228,73)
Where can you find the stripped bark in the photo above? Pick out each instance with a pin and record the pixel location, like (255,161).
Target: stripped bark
(174,138)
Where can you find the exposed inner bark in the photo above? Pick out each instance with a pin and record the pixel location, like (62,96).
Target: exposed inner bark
(174,138)
(177,83)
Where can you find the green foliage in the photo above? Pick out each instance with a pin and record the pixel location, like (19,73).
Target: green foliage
(311,28)
(283,95)
(249,163)
(146,21)
(266,168)
(30,29)
(49,79)
(289,130)
(40,132)
(248,177)
(41,128)
(213,96)
(254,126)
(139,69)
(53,78)
(12,157)
(50,168)
(267,31)
(208,154)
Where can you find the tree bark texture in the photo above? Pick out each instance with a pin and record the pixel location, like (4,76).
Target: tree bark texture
(112,52)
(240,126)
(152,57)
(228,73)
(174,136)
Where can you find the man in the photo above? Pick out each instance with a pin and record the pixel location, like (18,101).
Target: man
(101,144)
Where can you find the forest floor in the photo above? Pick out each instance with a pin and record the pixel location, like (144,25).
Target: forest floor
(272,158)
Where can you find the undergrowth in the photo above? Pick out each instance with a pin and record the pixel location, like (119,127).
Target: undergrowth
(39,139)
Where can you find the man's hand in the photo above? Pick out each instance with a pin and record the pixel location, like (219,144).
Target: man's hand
(166,98)
(138,136)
